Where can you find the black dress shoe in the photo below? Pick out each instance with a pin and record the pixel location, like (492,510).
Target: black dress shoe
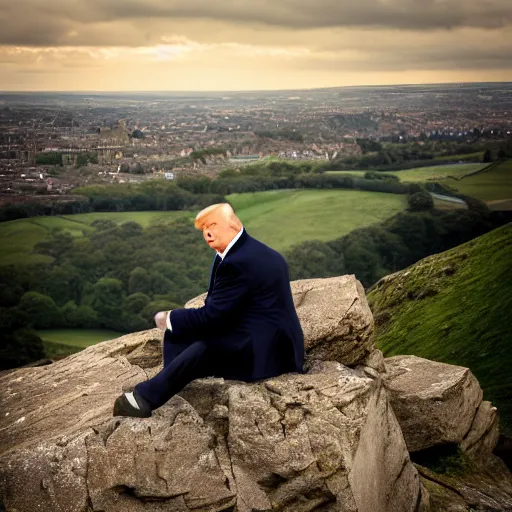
(122,407)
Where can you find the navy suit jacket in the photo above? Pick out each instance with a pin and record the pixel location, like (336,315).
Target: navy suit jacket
(248,314)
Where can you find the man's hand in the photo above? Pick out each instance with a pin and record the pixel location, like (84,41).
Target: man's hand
(161,319)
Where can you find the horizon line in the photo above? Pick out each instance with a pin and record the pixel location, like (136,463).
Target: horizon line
(231,91)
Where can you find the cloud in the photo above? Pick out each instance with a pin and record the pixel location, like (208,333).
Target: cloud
(304,43)
(129,22)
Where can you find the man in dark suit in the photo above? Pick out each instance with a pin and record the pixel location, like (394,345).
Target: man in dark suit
(247,330)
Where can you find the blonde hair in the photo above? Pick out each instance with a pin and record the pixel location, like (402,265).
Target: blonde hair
(221,211)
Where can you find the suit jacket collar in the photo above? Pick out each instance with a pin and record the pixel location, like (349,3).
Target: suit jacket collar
(238,244)
(218,261)
(231,244)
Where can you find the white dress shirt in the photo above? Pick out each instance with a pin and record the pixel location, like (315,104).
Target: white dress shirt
(222,256)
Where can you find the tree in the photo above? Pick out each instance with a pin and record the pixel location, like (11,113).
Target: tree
(41,310)
(487,158)
(63,283)
(139,281)
(363,262)
(20,348)
(420,201)
(85,317)
(107,300)
(314,259)
(56,244)
(155,306)
(81,160)
(135,303)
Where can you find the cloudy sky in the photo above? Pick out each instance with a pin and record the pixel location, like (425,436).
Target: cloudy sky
(250,44)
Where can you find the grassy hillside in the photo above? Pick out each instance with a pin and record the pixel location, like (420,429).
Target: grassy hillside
(18,237)
(422,174)
(280,218)
(455,307)
(491,185)
(63,342)
(477,155)
(285,218)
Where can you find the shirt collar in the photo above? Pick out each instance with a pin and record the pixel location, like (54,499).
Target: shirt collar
(233,242)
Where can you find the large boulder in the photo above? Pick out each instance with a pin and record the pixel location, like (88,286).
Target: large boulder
(438,404)
(335,317)
(323,440)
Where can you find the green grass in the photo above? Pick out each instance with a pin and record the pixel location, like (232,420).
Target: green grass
(489,185)
(287,217)
(281,218)
(455,307)
(467,156)
(18,237)
(142,218)
(64,342)
(422,174)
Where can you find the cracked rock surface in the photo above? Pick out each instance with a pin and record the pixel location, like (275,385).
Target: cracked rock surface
(326,440)
(335,317)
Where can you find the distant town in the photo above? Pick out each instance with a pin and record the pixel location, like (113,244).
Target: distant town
(51,143)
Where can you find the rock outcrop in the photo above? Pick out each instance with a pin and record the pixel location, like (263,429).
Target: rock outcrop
(335,317)
(438,404)
(324,440)
(442,416)
(327,440)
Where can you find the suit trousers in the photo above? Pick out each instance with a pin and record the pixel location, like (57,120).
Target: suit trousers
(185,361)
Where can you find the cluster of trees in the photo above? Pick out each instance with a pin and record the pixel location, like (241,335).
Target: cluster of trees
(376,155)
(55,207)
(148,196)
(375,251)
(50,158)
(227,186)
(116,277)
(198,192)
(119,276)
(82,159)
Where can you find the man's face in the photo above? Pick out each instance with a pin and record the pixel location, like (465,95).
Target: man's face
(216,234)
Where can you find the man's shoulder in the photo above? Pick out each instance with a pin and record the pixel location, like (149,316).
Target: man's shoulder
(253,248)
(254,254)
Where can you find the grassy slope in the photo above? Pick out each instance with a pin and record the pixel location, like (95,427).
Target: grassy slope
(463,318)
(142,218)
(421,174)
(280,218)
(77,337)
(461,157)
(63,342)
(489,185)
(18,237)
(285,218)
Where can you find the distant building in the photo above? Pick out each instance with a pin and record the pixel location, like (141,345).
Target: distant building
(169,175)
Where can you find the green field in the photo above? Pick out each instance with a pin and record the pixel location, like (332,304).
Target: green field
(454,307)
(489,185)
(422,174)
(142,218)
(279,218)
(63,342)
(18,237)
(287,217)
(463,157)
